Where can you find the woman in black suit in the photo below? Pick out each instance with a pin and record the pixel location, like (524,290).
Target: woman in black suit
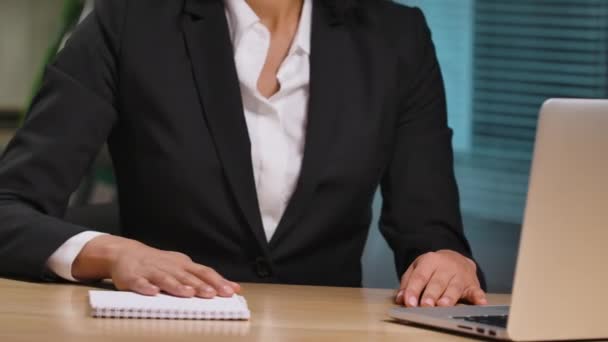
(248,139)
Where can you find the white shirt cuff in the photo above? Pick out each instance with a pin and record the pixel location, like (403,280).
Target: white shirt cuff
(60,262)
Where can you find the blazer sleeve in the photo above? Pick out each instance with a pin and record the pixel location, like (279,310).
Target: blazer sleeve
(421,211)
(69,120)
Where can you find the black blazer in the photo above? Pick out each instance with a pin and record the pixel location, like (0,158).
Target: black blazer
(157,81)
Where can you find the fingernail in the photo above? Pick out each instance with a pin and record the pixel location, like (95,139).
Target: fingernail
(412,301)
(483,301)
(187,288)
(444,301)
(428,301)
(228,290)
(399,297)
(236,287)
(153,288)
(208,289)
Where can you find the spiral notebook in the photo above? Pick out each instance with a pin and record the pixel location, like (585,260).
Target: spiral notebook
(117,304)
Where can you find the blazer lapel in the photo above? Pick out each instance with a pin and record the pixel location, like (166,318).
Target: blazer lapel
(326,93)
(208,42)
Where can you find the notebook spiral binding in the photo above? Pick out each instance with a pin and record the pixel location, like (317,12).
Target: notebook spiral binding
(136,313)
(130,305)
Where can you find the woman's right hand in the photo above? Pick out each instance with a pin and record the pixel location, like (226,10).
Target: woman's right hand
(133,266)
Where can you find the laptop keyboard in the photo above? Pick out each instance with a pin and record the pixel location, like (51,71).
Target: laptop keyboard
(497,321)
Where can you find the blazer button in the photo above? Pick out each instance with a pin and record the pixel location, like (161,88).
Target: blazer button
(262,268)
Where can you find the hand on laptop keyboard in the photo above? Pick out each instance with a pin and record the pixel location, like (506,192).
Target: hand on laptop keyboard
(441,278)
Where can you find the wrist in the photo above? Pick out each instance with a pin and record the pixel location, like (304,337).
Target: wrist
(95,260)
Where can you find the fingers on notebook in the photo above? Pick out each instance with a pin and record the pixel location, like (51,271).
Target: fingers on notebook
(237,288)
(169,283)
(172,273)
(201,288)
(143,286)
(183,284)
(192,280)
(223,287)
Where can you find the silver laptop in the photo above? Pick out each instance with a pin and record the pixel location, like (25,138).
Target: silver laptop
(560,290)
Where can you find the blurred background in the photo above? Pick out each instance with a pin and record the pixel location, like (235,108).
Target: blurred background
(500,60)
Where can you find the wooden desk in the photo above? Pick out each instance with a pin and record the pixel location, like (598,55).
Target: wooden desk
(50,312)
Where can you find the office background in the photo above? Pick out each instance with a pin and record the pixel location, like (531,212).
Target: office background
(500,61)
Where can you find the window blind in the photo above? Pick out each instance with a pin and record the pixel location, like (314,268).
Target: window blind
(500,61)
(523,53)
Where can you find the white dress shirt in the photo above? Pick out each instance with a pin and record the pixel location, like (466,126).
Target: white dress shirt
(276,125)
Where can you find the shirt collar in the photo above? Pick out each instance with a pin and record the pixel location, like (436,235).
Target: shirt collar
(303,34)
(241,18)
